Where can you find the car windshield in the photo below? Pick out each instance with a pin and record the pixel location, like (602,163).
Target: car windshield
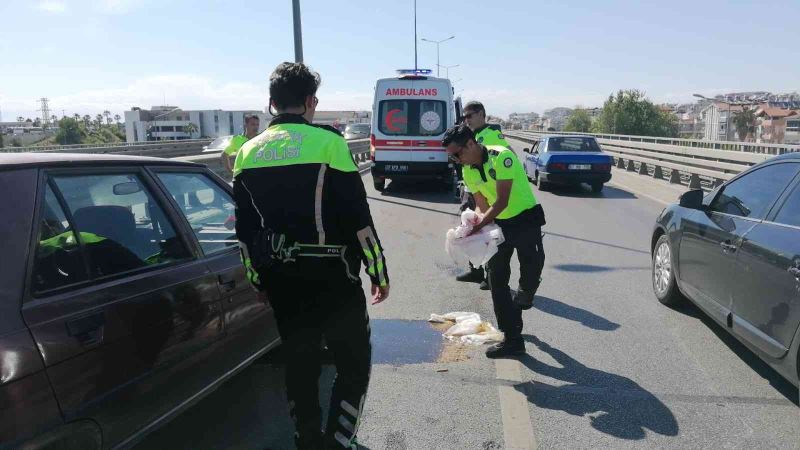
(572,144)
(358,128)
(220,142)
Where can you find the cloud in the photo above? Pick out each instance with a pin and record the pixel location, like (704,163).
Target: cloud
(52,6)
(115,6)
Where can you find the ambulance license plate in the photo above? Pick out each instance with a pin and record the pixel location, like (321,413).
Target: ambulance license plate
(580,167)
(397,168)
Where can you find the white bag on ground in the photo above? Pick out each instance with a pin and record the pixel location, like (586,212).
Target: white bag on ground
(468,328)
(478,248)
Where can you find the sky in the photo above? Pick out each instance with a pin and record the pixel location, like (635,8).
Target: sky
(88,56)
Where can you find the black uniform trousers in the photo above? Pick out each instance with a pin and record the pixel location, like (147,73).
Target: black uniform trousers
(523,234)
(306,311)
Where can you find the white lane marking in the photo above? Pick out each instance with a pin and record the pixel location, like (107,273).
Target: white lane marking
(517,427)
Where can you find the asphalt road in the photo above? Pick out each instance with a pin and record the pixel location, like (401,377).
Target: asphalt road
(607,365)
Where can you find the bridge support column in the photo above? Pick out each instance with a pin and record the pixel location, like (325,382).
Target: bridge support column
(631,167)
(657,173)
(694,182)
(675,177)
(643,169)
(620,163)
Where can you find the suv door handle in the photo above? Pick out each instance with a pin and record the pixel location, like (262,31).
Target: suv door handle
(226,284)
(794,271)
(727,246)
(88,330)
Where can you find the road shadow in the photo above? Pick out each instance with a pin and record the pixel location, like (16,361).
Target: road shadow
(783,386)
(573,313)
(583,190)
(614,404)
(589,268)
(426,191)
(589,241)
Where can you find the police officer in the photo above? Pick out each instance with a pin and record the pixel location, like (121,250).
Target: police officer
(503,195)
(305,227)
(251,125)
(487,134)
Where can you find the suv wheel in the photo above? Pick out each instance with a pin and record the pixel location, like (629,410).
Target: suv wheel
(379,183)
(663,274)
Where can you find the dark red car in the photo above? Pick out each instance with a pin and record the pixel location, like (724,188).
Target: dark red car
(123,299)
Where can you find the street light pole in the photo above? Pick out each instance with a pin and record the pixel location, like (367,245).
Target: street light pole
(447,69)
(298,32)
(437,49)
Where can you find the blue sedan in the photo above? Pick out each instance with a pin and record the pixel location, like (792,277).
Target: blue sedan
(568,160)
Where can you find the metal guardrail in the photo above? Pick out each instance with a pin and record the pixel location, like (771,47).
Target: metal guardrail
(79,147)
(745,147)
(699,167)
(359,148)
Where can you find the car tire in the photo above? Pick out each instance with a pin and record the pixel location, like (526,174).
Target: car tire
(597,187)
(663,274)
(380,185)
(542,185)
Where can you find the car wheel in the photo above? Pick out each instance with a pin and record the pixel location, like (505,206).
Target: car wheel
(380,184)
(663,274)
(542,185)
(597,188)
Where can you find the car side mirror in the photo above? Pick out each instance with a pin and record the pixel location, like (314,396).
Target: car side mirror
(692,199)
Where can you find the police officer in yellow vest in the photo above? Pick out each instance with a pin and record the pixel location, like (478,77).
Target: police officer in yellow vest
(503,195)
(251,125)
(487,134)
(305,228)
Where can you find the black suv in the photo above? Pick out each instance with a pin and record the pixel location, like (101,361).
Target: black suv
(123,298)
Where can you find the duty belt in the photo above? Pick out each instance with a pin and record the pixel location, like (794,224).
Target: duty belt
(272,248)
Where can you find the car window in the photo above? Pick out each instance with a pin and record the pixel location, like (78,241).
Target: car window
(208,208)
(412,117)
(753,194)
(59,259)
(789,213)
(121,226)
(573,144)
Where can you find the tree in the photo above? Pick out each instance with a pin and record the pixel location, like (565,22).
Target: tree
(2,142)
(69,132)
(20,119)
(107,115)
(578,122)
(117,118)
(37,122)
(745,123)
(77,117)
(630,112)
(98,119)
(87,119)
(190,128)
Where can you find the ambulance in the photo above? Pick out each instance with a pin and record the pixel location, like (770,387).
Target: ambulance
(410,114)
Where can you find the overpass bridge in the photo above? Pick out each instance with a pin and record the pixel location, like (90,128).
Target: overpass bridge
(607,365)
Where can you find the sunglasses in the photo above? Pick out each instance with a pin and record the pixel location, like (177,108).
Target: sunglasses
(468,115)
(456,156)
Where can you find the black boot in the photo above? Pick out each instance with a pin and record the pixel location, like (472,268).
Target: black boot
(309,441)
(507,348)
(524,299)
(475,275)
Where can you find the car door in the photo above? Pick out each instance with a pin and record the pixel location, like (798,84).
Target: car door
(530,160)
(207,207)
(766,308)
(122,310)
(539,158)
(711,238)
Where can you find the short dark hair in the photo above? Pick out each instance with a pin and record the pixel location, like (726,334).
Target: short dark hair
(249,117)
(475,106)
(459,134)
(290,84)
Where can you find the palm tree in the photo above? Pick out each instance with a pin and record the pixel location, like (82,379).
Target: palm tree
(107,115)
(117,118)
(745,123)
(99,120)
(190,128)
(77,117)
(87,119)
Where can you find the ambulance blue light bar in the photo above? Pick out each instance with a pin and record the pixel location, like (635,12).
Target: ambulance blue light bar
(414,71)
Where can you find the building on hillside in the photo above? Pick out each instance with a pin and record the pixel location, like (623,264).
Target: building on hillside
(778,125)
(558,117)
(522,121)
(172,123)
(340,119)
(718,121)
